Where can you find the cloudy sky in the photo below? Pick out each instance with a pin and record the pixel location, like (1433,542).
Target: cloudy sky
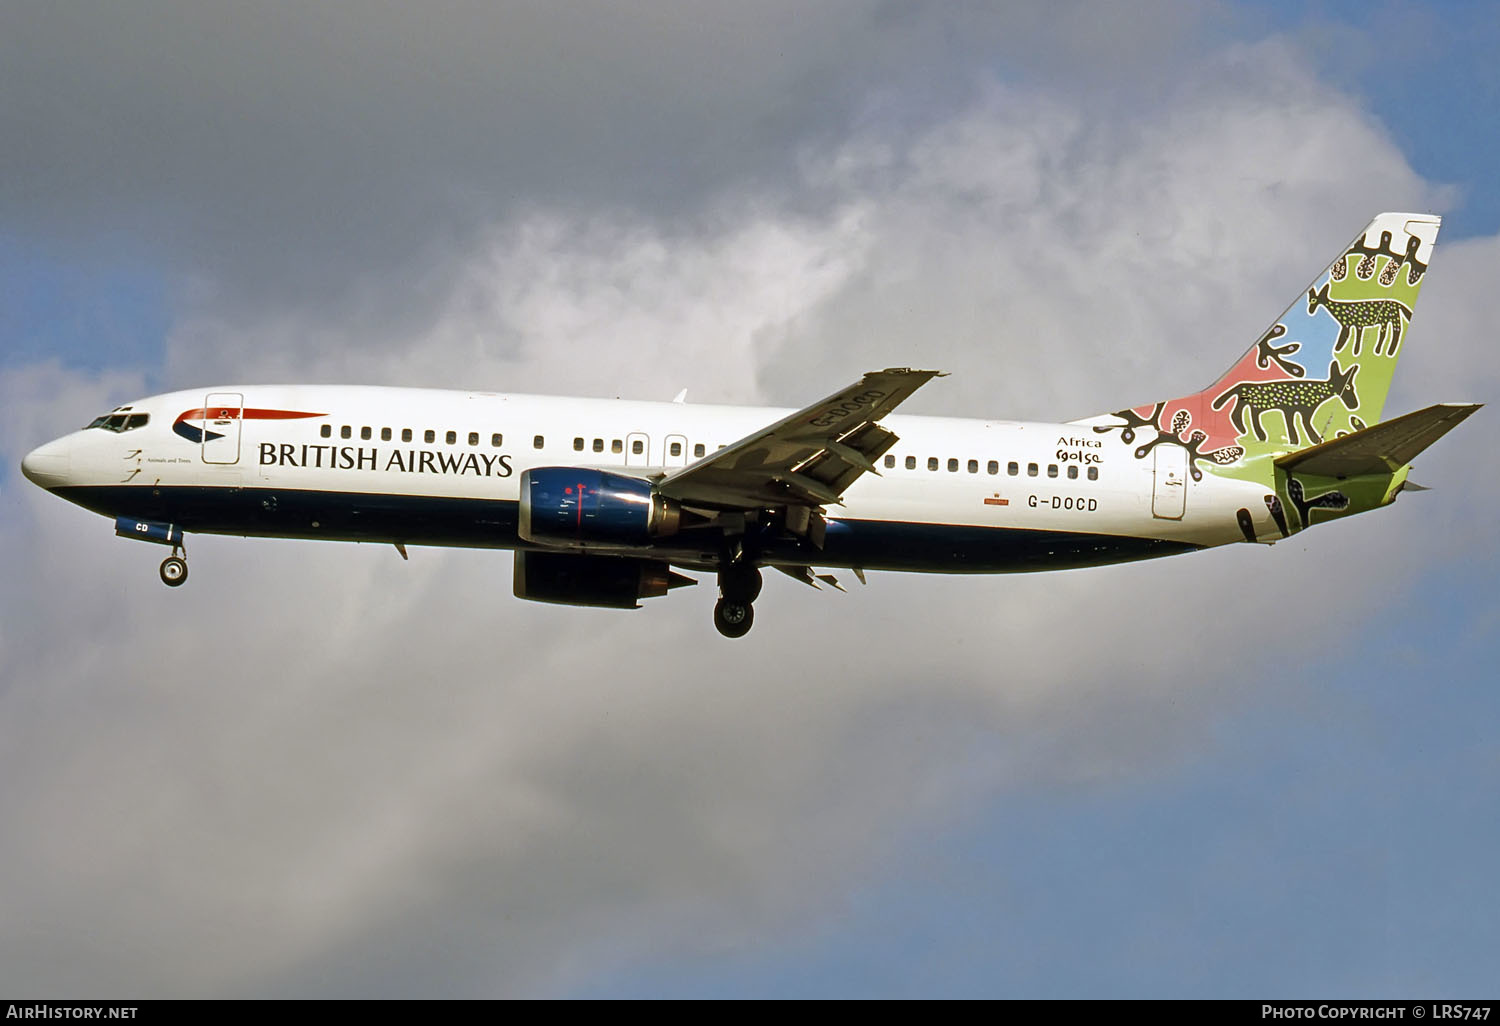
(321,771)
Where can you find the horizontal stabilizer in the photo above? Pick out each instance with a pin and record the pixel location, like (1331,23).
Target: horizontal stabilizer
(1382,449)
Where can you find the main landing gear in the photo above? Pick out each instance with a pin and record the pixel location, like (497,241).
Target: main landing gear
(734,613)
(174,568)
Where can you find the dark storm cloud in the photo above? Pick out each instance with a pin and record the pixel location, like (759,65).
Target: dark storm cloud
(283,150)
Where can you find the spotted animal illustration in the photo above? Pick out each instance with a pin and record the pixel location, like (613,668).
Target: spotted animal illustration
(1291,398)
(1355,315)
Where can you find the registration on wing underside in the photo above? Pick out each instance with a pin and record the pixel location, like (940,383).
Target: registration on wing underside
(809,458)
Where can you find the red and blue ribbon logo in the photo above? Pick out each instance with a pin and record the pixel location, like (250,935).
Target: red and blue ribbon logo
(221,415)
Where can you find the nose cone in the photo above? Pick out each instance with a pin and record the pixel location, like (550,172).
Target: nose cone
(47,465)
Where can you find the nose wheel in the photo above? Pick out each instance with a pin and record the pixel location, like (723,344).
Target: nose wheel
(734,613)
(174,570)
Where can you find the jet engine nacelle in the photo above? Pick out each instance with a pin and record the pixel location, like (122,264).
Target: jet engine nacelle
(578,507)
(572,579)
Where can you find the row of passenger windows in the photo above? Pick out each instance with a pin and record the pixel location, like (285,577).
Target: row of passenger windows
(637,447)
(429,436)
(993,467)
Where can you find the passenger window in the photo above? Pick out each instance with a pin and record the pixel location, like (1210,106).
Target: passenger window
(473,437)
(1032,470)
(1072,472)
(406,434)
(616,446)
(952,466)
(346,432)
(637,447)
(973,466)
(385,434)
(364,434)
(676,448)
(451,437)
(326,431)
(1052,470)
(429,436)
(1093,473)
(890,461)
(698,450)
(911,463)
(538,442)
(578,445)
(496,439)
(1012,468)
(598,445)
(932,463)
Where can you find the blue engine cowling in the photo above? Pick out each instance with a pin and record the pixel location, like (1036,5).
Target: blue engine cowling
(580,507)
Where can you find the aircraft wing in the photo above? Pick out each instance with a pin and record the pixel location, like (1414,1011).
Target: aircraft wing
(807,459)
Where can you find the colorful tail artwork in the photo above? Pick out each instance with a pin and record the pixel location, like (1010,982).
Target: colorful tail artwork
(1319,373)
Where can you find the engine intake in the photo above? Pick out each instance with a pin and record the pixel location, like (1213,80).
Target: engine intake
(577,507)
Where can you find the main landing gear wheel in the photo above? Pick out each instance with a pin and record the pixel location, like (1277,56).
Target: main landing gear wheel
(739,587)
(732,618)
(173,571)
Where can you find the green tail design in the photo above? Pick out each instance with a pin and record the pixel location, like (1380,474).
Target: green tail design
(1319,374)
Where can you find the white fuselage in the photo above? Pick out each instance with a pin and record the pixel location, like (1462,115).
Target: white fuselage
(414,465)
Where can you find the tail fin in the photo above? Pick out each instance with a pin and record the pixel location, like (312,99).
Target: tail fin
(1297,386)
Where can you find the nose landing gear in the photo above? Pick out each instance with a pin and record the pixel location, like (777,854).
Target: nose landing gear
(174,570)
(734,613)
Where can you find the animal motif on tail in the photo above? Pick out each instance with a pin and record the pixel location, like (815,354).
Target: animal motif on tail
(1355,315)
(1291,398)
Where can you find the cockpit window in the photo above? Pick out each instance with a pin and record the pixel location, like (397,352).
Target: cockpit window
(120,421)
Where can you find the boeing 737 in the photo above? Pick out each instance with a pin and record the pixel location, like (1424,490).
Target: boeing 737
(604,501)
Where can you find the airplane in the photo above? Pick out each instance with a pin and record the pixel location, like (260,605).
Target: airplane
(604,501)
